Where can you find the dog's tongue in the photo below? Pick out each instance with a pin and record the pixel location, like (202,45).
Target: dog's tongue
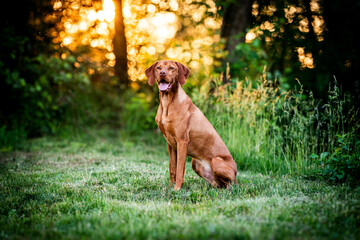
(163,86)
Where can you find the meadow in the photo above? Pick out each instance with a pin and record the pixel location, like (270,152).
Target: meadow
(106,184)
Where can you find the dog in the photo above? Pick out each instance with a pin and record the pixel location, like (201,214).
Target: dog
(187,131)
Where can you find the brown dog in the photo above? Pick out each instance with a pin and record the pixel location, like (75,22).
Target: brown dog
(187,131)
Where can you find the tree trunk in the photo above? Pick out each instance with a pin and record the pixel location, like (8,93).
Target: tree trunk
(237,18)
(119,43)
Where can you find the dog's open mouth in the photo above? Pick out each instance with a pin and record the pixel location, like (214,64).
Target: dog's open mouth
(164,85)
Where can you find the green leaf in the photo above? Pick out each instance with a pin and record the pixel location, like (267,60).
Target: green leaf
(38,87)
(256,42)
(40,104)
(22,82)
(43,79)
(68,76)
(324,155)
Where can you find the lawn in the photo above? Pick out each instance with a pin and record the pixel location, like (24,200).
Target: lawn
(107,185)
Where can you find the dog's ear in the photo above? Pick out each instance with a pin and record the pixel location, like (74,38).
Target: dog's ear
(184,73)
(149,72)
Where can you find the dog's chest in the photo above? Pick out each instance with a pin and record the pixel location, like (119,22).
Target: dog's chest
(167,129)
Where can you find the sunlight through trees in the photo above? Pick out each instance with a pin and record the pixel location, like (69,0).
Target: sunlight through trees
(159,28)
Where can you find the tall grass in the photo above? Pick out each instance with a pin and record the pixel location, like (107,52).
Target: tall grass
(271,130)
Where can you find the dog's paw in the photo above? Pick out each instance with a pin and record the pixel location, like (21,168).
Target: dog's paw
(177,188)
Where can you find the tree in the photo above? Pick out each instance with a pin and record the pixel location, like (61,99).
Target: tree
(342,52)
(119,43)
(309,40)
(20,41)
(236,19)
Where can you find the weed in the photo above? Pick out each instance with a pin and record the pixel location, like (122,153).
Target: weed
(343,163)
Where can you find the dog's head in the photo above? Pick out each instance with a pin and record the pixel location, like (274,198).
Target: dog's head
(166,74)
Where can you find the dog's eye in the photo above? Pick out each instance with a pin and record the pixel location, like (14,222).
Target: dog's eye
(158,68)
(171,68)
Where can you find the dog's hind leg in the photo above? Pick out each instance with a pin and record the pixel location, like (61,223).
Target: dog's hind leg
(224,171)
(203,169)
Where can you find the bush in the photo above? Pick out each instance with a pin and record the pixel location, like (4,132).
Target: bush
(248,61)
(39,96)
(270,130)
(343,163)
(43,91)
(138,113)
(10,139)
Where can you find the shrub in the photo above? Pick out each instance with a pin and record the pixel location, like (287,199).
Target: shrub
(138,112)
(10,139)
(39,95)
(248,60)
(270,130)
(343,163)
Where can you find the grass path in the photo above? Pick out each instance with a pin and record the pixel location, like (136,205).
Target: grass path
(103,186)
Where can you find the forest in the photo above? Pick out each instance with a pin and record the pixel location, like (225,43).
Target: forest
(81,155)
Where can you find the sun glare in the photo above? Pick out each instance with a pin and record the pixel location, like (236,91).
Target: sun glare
(126,12)
(306,59)
(250,36)
(109,10)
(151,30)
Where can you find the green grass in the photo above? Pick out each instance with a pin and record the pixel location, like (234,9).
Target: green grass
(104,185)
(274,131)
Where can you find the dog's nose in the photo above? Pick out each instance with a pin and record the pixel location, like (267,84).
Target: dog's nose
(162,73)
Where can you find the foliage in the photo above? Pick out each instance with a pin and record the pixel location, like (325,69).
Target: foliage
(138,113)
(40,81)
(43,91)
(343,163)
(11,139)
(338,116)
(249,61)
(102,185)
(262,126)
(271,130)
(307,40)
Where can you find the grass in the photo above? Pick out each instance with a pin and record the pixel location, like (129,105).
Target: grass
(274,131)
(108,185)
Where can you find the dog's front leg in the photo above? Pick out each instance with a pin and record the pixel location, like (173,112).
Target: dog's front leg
(180,164)
(172,164)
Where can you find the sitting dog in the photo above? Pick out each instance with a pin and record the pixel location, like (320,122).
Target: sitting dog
(187,131)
